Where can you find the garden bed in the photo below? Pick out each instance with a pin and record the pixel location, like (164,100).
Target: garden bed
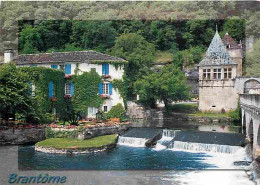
(74,146)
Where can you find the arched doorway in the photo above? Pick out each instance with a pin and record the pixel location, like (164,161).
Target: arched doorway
(252,87)
(250,133)
(244,124)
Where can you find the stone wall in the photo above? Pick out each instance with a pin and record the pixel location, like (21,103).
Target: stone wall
(22,136)
(216,98)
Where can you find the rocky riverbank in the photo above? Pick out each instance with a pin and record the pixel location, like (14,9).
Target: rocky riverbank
(21,136)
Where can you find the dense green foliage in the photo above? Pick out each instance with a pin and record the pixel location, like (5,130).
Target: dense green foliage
(138,52)
(86,91)
(167,85)
(14,95)
(69,143)
(116,111)
(252,60)
(41,77)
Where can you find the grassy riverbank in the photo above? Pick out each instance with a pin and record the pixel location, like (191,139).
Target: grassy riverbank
(68,143)
(211,114)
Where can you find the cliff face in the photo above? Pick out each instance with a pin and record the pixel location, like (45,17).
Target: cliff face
(21,136)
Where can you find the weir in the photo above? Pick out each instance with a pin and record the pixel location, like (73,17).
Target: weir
(184,140)
(202,147)
(139,137)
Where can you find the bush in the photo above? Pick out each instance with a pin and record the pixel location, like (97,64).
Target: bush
(116,111)
(236,115)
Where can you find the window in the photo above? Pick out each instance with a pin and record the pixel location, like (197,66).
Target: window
(217,73)
(68,69)
(105,88)
(105,108)
(206,73)
(33,65)
(92,111)
(105,69)
(227,73)
(54,66)
(69,89)
(33,90)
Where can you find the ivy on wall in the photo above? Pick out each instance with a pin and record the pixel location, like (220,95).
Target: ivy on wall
(41,77)
(86,91)
(122,89)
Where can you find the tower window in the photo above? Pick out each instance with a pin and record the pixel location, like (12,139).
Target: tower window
(206,73)
(217,74)
(227,73)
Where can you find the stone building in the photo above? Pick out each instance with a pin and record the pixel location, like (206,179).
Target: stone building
(220,76)
(217,72)
(78,62)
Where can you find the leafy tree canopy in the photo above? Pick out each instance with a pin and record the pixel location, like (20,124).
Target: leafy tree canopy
(167,86)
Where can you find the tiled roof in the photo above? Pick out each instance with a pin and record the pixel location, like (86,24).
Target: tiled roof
(217,53)
(229,41)
(61,57)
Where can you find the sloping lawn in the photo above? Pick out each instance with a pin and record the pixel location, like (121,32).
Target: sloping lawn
(67,143)
(184,107)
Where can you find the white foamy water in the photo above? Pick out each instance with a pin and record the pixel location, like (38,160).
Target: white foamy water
(202,147)
(210,177)
(167,136)
(132,141)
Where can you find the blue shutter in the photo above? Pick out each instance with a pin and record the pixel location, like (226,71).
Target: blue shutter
(103,69)
(54,66)
(68,69)
(100,88)
(72,89)
(51,89)
(110,88)
(107,69)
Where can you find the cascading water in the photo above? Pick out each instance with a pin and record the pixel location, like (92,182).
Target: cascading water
(202,147)
(167,136)
(132,141)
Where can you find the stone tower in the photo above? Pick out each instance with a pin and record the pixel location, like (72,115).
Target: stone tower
(217,72)
(235,51)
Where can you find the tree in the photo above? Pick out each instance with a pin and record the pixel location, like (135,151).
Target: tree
(235,28)
(139,53)
(14,96)
(167,86)
(253,60)
(188,57)
(30,40)
(99,35)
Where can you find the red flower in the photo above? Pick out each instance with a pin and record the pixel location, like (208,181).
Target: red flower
(68,76)
(54,99)
(104,95)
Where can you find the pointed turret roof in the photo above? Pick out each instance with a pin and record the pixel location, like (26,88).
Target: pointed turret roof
(217,53)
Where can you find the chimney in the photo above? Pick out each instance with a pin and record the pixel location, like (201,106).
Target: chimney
(8,55)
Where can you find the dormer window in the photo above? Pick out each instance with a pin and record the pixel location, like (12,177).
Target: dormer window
(206,74)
